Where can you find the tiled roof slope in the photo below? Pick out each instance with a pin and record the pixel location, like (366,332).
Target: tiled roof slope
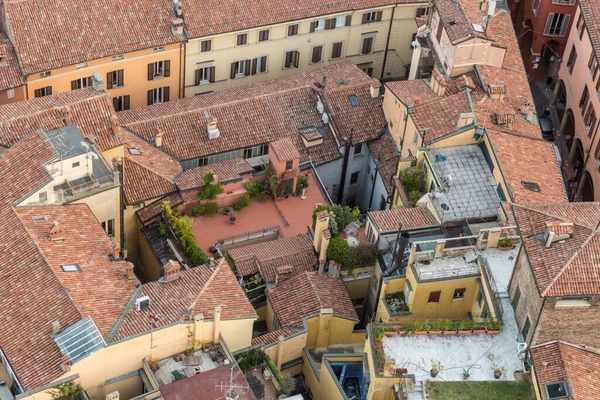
(305,295)
(515,151)
(388,158)
(90,111)
(226,171)
(409,91)
(570,267)
(440,117)
(143,184)
(152,210)
(225,15)
(50,34)
(151,158)
(10,73)
(559,361)
(591,14)
(296,251)
(285,149)
(198,290)
(273,337)
(411,218)
(455,20)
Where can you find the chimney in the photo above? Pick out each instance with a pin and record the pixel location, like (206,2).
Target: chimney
(129,271)
(465,119)
(496,92)
(375,87)
(417,101)
(65,363)
(334,269)
(171,271)
(116,127)
(324,82)
(115,250)
(324,246)
(177,27)
(217,324)
(284,272)
(158,138)
(178,9)
(438,82)
(211,126)
(55,327)
(112,395)
(97,82)
(557,231)
(56,232)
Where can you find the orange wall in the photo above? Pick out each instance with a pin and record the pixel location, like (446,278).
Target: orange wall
(19,94)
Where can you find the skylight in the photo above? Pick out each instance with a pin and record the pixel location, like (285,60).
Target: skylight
(134,151)
(70,267)
(353,100)
(80,340)
(533,186)
(39,218)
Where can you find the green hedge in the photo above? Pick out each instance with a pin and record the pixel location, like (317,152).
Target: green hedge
(351,257)
(182,227)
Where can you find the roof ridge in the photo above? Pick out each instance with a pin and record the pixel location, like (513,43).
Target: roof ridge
(208,282)
(567,264)
(309,276)
(564,219)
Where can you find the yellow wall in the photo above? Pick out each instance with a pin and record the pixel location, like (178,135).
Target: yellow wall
(134,66)
(147,261)
(380,388)
(291,349)
(339,332)
(460,139)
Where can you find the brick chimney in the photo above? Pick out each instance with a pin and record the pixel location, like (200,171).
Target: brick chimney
(375,87)
(496,92)
(129,271)
(465,119)
(158,138)
(171,271)
(56,232)
(115,250)
(557,231)
(438,83)
(284,272)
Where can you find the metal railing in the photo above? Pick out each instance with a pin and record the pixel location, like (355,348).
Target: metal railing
(248,235)
(86,188)
(435,274)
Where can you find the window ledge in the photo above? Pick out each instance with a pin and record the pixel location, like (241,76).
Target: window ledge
(459,299)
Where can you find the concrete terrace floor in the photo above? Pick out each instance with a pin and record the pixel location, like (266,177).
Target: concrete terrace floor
(474,352)
(258,215)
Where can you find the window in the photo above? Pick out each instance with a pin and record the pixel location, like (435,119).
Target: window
(536,6)
(45,74)
(205,45)
(114,79)
(585,97)
(158,95)
(590,119)
(434,297)
(336,50)
(580,26)
(259,65)
(263,35)
(70,267)
(291,59)
(158,49)
(121,103)
(41,92)
(515,300)
(340,21)
(354,177)
(109,227)
(358,148)
(556,390)
(459,294)
(572,60)
(317,54)
(367,69)
(39,218)
(288,165)
(372,16)
(240,68)
(75,164)
(204,75)
(134,151)
(319,25)
(10,93)
(159,69)
(292,30)
(423,11)
(572,302)
(353,100)
(43,197)
(557,24)
(525,330)
(367,45)
(242,39)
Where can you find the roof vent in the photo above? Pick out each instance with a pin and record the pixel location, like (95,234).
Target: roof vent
(158,139)
(533,186)
(557,231)
(211,126)
(177,27)
(55,327)
(56,232)
(142,302)
(177,8)
(97,82)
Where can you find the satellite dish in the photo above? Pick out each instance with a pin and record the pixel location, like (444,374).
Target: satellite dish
(85,145)
(93,155)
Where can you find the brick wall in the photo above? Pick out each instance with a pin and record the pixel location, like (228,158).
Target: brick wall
(530,302)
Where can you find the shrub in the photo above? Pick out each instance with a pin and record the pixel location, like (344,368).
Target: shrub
(162,229)
(287,384)
(322,207)
(236,206)
(198,257)
(67,391)
(389,329)
(182,227)
(505,242)
(253,188)
(351,257)
(245,200)
(198,210)
(337,250)
(250,359)
(413,198)
(210,191)
(413,179)
(211,208)
(262,196)
(301,182)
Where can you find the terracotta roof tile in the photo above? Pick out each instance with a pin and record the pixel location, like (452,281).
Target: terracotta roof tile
(90,111)
(569,268)
(285,149)
(514,152)
(143,184)
(440,117)
(591,14)
(154,209)
(151,157)
(409,91)
(305,295)
(296,251)
(560,361)
(455,20)
(388,158)
(411,218)
(10,73)
(273,337)
(199,290)
(226,171)
(49,34)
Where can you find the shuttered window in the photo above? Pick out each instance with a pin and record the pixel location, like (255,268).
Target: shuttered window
(557,24)
(240,69)
(204,75)
(336,50)
(159,69)
(572,59)
(81,83)
(367,45)
(330,24)
(291,59)
(293,30)
(158,95)
(45,91)
(263,35)
(242,39)
(205,45)
(434,297)
(259,65)
(580,26)
(115,79)
(585,97)
(317,54)
(373,16)
(121,103)
(590,119)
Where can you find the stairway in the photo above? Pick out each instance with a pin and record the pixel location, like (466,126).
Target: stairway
(418,392)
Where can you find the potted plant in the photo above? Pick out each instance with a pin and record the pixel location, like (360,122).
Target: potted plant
(231,217)
(378,333)
(494,326)
(436,328)
(499,371)
(505,244)
(465,326)
(449,327)
(226,210)
(408,328)
(419,328)
(465,374)
(390,331)
(436,367)
(206,346)
(478,328)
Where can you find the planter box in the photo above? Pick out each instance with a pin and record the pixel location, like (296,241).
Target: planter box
(507,248)
(435,332)
(465,332)
(449,333)
(482,329)
(421,333)
(493,332)
(390,333)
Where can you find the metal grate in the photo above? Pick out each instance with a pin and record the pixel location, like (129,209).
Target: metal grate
(80,340)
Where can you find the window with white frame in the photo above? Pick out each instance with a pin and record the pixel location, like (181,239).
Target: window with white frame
(159,69)
(557,24)
(340,21)
(10,93)
(320,25)
(158,95)
(536,6)
(241,68)
(109,227)
(261,64)
(204,75)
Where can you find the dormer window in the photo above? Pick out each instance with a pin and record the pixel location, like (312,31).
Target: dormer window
(70,267)
(557,390)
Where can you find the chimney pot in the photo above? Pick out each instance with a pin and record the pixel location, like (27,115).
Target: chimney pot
(375,87)
(66,363)
(417,101)
(177,27)
(56,232)
(97,82)
(55,327)
(171,271)
(129,271)
(115,248)
(158,139)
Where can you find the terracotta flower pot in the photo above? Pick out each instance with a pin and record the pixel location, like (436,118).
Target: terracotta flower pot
(421,333)
(492,332)
(435,332)
(465,332)
(390,333)
(507,248)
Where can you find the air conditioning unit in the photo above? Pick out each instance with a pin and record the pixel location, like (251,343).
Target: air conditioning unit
(142,302)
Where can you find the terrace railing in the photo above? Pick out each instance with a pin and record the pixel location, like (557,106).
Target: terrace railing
(248,235)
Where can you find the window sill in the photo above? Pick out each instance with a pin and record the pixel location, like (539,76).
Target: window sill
(157,77)
(436,302)
(458,299)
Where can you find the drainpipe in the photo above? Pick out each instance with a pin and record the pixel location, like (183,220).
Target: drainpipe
(122,208)
(387,43)
(345,166)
